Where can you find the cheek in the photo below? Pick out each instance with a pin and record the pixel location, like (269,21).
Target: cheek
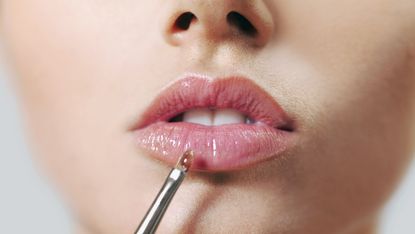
(77,67)
(82,84)
(362,131)
(356,106)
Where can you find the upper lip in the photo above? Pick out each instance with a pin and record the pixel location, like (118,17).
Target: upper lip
(220,147)
(236,93)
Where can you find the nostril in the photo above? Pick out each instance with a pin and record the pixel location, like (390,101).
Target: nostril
(184,21)
(241,23)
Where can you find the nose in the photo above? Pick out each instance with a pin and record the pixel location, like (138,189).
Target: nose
(214,21)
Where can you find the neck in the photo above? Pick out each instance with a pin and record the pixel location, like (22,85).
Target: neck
(370,227)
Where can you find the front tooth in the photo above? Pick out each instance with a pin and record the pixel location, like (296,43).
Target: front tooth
(198,116)
(227,116)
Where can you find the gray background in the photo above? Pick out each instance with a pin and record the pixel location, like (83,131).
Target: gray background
(29,205)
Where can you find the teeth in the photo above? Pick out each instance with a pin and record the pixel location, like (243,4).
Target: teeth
(214,117)
(227,116)
(199,116)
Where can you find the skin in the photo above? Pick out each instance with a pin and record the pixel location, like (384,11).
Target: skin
(86,70)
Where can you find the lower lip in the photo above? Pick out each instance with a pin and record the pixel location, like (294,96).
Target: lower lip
(216,148)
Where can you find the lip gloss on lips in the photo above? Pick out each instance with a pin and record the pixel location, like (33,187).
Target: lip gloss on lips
(224,147)
(156,211)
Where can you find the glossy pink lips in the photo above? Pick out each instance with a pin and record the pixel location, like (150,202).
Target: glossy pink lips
(216,148)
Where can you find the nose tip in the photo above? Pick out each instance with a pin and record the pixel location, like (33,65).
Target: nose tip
(220,20)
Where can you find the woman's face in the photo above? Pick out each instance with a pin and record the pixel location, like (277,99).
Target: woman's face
(343,71)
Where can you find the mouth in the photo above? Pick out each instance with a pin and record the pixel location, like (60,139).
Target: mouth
(229,123)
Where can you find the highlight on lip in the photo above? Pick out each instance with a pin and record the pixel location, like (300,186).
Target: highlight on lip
(229,123)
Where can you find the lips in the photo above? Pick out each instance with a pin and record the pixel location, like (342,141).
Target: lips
(163,133)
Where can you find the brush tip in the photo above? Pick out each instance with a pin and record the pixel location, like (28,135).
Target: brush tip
(185,161)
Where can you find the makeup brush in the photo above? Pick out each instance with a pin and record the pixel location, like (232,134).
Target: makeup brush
(156,211)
